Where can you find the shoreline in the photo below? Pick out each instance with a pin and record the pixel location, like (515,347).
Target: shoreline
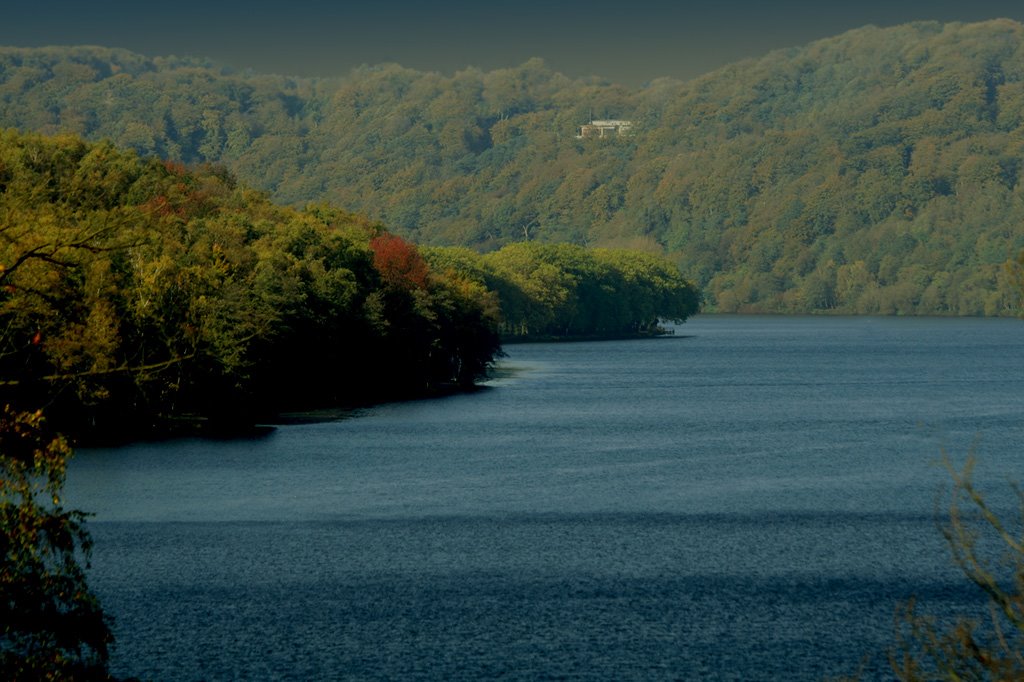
(555,338)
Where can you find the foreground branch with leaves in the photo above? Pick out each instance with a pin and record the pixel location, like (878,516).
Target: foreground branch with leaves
(52,625)
(989,550)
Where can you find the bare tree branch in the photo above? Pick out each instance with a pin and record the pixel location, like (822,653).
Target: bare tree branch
(104,372)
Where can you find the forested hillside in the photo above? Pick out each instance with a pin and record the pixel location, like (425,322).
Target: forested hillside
(874,172)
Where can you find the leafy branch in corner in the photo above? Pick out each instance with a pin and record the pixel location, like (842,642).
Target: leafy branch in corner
(989,551)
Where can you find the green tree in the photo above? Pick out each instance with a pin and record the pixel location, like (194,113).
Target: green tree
(568,290)
(52,625)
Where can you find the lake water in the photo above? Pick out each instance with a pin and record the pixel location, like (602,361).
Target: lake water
(749,499)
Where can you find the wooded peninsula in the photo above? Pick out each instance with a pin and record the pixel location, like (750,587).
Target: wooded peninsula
(137,294)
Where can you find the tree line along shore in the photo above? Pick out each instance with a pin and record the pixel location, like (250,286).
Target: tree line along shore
(138,295)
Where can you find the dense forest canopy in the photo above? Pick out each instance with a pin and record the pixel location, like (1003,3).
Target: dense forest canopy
(568,291)
(874,172)
(133,290)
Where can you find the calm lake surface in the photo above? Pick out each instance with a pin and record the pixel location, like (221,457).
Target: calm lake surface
(749,499)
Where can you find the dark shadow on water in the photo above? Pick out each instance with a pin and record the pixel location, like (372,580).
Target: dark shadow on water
(341,413)
(192,428)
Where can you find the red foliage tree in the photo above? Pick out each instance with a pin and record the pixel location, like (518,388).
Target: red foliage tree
(399,263)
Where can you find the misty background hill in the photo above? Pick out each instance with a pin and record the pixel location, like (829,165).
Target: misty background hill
(874,172)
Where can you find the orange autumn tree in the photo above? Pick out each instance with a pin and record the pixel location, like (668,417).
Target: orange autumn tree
(436,328)
(399,263)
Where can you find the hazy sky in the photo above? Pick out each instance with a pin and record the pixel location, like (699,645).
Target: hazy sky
(630,41)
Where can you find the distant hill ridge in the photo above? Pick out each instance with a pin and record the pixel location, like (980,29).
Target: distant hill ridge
(874,172)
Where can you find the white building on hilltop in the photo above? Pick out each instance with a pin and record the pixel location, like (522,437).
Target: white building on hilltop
(604,129)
